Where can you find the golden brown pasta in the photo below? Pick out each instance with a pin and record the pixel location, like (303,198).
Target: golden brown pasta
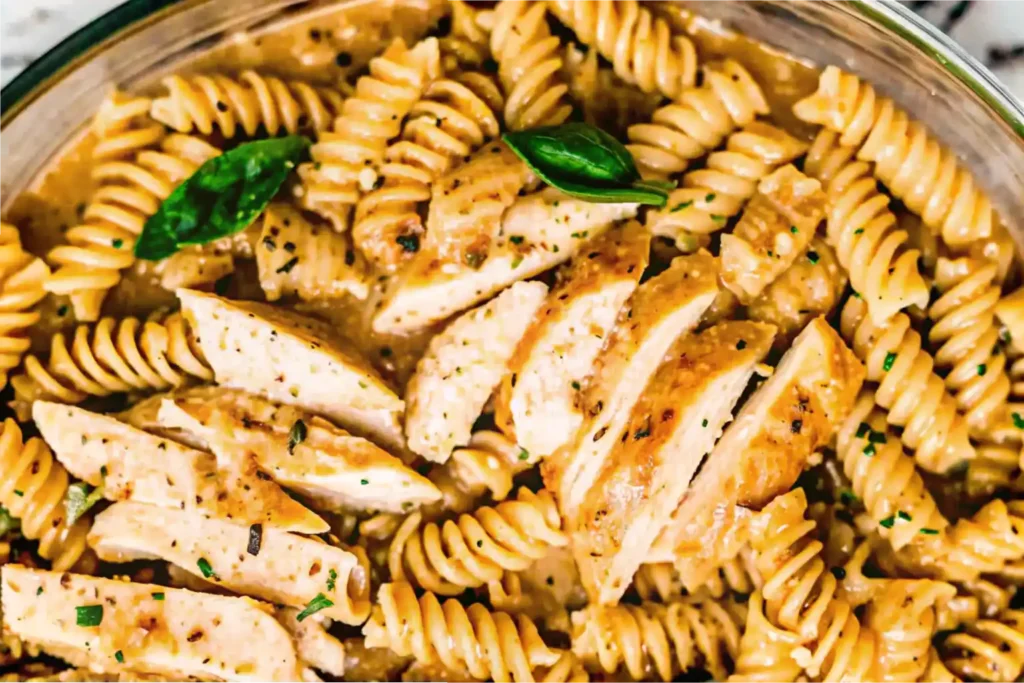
(661,581)
(990,650)
(476,548)
(489,645)
(485,467)
(864,232)
(639,45)
(912,164)
(33,486)
(914,397)
(448,124)
(685,130)
(129,193)
(239,106)
(345,159)
(21,287)
(528,66)
(113,356)
(766,651)
(122,126)
(996,468)
(902,615)
(467,46)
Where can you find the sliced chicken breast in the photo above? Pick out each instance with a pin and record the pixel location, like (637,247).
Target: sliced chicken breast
(302,452)
(671,428)
(660,310)
(462,367)
(295,360)
(772,233)
(155,629)
(790,416)
(538,232)
(277,566)
(132,464)
(538,403)
(315,646)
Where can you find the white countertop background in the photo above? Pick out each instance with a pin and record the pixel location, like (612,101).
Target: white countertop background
(989,29)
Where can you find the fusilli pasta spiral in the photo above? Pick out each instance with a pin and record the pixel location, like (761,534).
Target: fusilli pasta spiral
(990,650)
(908,388)
(766,651)
(33,486)
(996,468)
(902,614)
(448,124)
(912,164)
(484,467)
(122,126)
(489,645)
(129,193)
(720,189)
(206,101)
(467,46)
(656,640)
(528,66)
(21,287)
(345,159)
(701,118)
(864,232)
(478,547)
(965,338)
(639,45)
(113,356)
(661,581)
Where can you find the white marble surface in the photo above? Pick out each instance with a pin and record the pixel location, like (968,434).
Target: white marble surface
(986,27)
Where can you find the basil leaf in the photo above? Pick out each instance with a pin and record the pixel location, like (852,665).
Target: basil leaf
(587,163)
(222,197)
(79,498)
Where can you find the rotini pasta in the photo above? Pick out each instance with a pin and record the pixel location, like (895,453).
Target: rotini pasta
(467,46)
(709,196)
(449,123)
(912,164)
(485,467)
(606,100)
(489,645)
(996,468)
(129,193)
(21,287)
(864,232)
(737,576)
(528,66)
(113,356)
(902,615)
(122,126)
(206,101)
(765,651)
(990,650)
(914,397)
(701,118)
(478,547)
(33,486)
(639,45)
(657,640)
(345,160)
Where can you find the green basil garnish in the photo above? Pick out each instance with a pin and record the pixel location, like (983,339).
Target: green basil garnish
(587,163)
(222,197)
(79,498)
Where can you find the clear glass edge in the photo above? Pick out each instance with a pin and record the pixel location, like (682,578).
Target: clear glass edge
(37,77)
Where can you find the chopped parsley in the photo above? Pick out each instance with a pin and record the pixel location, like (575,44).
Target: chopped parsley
(929,532)
(982,369)
(516,239)
(863,430)
(812,256)
(409,243)
(888,522)
(869,450)
(117,243)
(318,603)
(89,615)
(524,454)
(364,482)
(681,206)
(79,498)
(890,358)
(517,260)
(1018,421)
(793,229)
(576,385)
(332,577)
(904,516)
(709,197)
(205,568)
(119,656)
(296,435)
(158,596)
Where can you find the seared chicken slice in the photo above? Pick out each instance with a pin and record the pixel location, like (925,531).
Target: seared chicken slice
(761,454)
(773,231)
(660,310)
(315,646)
(155,629)
(538,403)
(277,566)
(671,428)
(538,232)
(296,360)
(131,464)
(300,451)
(145,415)
(461,368)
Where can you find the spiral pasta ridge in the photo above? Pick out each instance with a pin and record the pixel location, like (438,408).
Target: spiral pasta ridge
(965,337)
(122,126)
(33,486)
(467,46)
(476,548)
(129,193)
(904,617)
(113,356)
(485,467)
(661,581)
(990,649)
(701,118)
(345,159)
(21,287)
(908,388)
(528,66)
(489,645)
(448,124)
(653,639)
(206,101)
(640,46)
(912,164)
(721,189)
(766,651)
(864,232)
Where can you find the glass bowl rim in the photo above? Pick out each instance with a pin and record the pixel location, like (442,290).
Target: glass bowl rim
(135,14)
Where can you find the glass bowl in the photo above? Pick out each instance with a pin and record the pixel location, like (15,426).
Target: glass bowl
(133,46)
